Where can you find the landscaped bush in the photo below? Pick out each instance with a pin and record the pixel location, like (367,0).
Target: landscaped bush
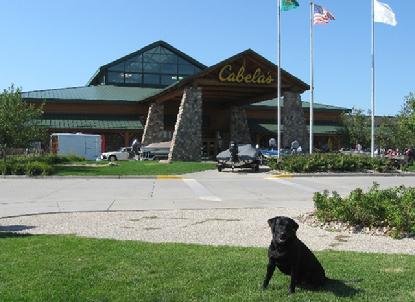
(324,162)
(35,165)
(5,168)
(31,168)
(38,168)
(392,208)
(18,168)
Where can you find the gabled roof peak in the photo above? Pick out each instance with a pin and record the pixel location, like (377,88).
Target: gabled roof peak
(162,43)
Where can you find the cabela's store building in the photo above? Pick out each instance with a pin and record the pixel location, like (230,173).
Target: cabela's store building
(159,93)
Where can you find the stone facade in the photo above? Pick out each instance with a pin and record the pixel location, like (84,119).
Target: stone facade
(292,116)
(153,130)
(187,137)
(239,129)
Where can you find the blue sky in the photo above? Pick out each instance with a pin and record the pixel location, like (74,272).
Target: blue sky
(54,44)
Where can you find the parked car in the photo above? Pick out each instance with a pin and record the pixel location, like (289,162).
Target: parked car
(124,153)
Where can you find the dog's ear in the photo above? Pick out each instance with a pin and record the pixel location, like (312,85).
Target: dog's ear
(272,221)
(294,224)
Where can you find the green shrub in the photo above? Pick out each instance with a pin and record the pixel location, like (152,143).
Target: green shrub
(54,159)
(51,159)
(5,168)
(30,168)
(324,162)
(393,208)
(17,168)
(35,165)
(38,168)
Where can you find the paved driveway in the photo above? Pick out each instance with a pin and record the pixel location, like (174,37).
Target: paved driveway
(205,190)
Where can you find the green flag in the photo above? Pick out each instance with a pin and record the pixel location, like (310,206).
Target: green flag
(289,4)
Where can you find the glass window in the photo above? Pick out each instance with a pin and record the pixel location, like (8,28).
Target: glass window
(168,59)
(166,51)
(152,57)
(184,62)
(169,68)
(133,78)
(133,66)
(160,58)
(154,50)
(168,79)
(118,67)
(151,79)
(136,58)
(151,67)
(115,77)
(157,66)
(186,69)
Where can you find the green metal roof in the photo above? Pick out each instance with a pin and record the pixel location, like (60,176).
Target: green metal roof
(90,122)
(317,129)
(270,104)
(92,93)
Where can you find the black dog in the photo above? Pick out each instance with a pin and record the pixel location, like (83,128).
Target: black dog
(292,256)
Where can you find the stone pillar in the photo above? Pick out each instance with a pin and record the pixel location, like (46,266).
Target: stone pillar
(153,130)
(187,137)
(239,126)
(292,116)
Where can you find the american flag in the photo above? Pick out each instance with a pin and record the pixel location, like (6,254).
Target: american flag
(321,15)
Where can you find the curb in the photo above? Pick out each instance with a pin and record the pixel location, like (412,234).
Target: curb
(177,177)
(291,175)
(86,177)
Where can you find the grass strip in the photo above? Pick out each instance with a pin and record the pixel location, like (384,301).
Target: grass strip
(68,268)
(134,168)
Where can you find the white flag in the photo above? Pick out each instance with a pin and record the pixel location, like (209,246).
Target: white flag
(384,13)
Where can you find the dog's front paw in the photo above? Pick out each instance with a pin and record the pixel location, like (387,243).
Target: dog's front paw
(264,286)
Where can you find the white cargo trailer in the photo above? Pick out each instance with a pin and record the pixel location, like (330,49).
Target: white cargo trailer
(87,146)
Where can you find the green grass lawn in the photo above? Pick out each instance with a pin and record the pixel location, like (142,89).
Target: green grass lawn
(68,268)
(411,168)
(132,168)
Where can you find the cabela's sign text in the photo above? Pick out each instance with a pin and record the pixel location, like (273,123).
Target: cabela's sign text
(227,74)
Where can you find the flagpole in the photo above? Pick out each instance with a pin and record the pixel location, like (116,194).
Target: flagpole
(279,80)
(372,149)
(311,75)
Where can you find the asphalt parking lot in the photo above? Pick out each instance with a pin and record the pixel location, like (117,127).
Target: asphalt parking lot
(204,190)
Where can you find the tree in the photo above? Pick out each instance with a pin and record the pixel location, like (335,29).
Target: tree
(18,126)
(387,132)
(357,128)
(406,122)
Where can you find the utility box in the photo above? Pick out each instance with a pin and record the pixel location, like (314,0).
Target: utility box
(87,146)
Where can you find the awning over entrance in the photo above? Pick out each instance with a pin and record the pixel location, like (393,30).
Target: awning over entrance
(240,80)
